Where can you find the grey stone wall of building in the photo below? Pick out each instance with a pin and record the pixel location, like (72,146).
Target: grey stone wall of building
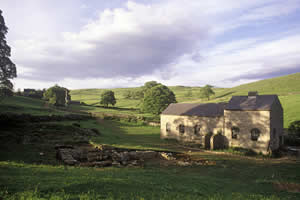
(209,126)
(245,121)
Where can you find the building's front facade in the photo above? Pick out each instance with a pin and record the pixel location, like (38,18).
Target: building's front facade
(252,122)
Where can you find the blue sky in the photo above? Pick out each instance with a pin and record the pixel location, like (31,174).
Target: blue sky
(118,43)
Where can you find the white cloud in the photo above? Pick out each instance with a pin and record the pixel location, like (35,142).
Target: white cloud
(177,42)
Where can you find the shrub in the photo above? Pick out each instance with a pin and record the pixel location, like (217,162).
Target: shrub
(294,128)
(291,140)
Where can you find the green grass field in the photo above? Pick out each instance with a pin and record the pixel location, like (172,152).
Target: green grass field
(24,174)
(229,178)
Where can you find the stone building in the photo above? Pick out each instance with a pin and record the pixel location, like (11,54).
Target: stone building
(252,122)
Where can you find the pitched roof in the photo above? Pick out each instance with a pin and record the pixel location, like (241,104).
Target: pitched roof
(193,109)
(259,102)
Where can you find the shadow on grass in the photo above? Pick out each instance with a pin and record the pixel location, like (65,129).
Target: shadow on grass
(113,108)
(132,136)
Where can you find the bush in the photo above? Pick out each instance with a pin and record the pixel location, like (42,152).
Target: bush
(291,140)
(294,128)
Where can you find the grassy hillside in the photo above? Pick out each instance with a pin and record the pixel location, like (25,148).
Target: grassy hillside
(284,85)
(26,105)
(287,87)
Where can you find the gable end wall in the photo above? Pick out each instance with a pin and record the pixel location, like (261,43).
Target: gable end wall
(245,121)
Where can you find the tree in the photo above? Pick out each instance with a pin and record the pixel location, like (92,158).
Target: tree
(108,97)
(150,84)
(7,67)
(157,99)
(207,91)
(58,96)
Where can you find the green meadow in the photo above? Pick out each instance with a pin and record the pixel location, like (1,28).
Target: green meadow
(27,175)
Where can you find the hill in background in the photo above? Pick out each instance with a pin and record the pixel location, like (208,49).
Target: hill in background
(286,87)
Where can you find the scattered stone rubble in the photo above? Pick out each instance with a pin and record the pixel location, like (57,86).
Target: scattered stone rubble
(105,156)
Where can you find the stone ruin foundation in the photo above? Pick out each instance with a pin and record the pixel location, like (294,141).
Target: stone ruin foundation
(105,156)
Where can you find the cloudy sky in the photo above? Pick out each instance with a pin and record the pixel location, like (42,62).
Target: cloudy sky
(120,43)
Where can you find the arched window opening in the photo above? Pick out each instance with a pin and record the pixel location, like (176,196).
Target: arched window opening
(181,128)
(255,132)
(234,132)
(197,129)
(168,127)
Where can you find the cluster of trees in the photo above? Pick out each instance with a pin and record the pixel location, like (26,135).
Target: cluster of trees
(58,96)
(7,67)
(155,97)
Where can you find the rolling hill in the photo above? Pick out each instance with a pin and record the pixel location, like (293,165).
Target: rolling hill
(286,87)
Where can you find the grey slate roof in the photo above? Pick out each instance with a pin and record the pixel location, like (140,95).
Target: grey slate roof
(193,109)
(260,102)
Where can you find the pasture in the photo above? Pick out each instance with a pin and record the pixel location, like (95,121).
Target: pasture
(27,175)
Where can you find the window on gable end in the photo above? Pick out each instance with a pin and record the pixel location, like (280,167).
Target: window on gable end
(255,132)
(168,127)
(235,132)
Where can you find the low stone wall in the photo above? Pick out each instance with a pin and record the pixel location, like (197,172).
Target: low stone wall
(127,118)
(105,156)
(9,118)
